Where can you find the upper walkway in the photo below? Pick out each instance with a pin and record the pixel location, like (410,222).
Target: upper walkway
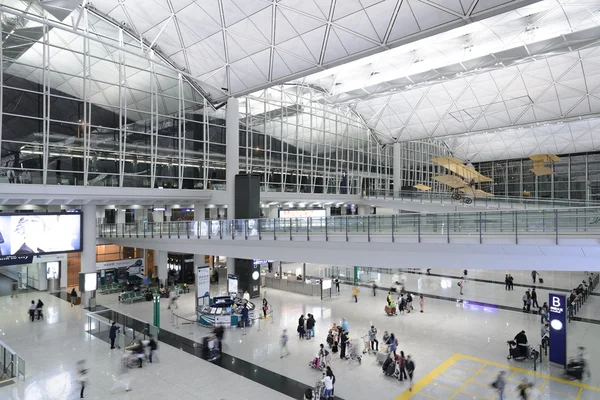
(541,239)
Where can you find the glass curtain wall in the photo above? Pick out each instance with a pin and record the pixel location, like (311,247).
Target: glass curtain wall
(417,167)
(576,177)
(77,111)
(299,144)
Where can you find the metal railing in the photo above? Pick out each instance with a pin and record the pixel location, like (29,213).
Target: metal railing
(510,225)
(574,306)
(12,365)
(489,202)
(98,324)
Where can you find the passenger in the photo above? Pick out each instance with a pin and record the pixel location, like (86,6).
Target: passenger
(343,343)
(152,347)
(73,297)
(265,307)
(309,326)
(355,292)
(511,280)
(392,344)
(374,289)
(112,334)
(499,385)
(461,285)
(386,337)
(522,342)
(373,338)
(534,302)
(172,301)
(219,332)
(328,391)
(409,301)
(82,376)
(345,326)
(506,282)
(337,284)
(583,356)
(246,296)
(330,374)
(38,308)
(389,298)
(32,310)
(401,359)
(421,302)
(401,305)
(283,342)
(410,369)
(301,331)
(245,319)
(324,355)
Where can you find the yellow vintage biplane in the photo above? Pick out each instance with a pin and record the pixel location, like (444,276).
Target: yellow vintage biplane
(464,180)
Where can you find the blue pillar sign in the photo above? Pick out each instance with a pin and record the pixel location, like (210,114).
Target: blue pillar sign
(558,329)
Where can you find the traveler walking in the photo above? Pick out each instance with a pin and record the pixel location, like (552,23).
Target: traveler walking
(534,275)
(392,343)
(410,369)
(38,308)
(409,301)
(124,378)
(152,347)
(32,310)
(355,292)
(421,302)
(345,325)
(402,366)
(389,298)
(401,304)
(283,343)
(506,282)
(374,289)
(499,385)
(337,284)
(265,307)
(328,391)
(534,301)
(73,297)
(244,318)
(461,285)
(330,374)
(112,334)
(527,301)
(373,338)
(82,376)
(173,300)
(511,281)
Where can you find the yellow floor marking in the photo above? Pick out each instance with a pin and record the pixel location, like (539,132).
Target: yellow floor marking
(440,369)
(427,379)
(458,378)
(467,382)
(532,373)
(473,396)
(428,396)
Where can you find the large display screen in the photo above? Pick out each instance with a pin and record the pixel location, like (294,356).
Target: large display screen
(31,234)
(303,213)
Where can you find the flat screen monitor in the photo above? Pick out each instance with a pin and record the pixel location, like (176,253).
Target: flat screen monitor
(53,270)
(40,233)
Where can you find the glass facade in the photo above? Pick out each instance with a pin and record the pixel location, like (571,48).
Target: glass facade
(576,177)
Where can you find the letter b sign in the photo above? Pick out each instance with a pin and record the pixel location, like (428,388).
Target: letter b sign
(555,302)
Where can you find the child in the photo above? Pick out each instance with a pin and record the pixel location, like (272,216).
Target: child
(301,331)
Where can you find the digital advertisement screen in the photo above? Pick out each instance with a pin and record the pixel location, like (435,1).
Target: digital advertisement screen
(53,270)
(303,213)
(31,234)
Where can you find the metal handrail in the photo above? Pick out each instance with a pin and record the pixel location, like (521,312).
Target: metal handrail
(494,201)
(511,225)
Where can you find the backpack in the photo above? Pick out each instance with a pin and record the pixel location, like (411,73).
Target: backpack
(386,364)
(308,394)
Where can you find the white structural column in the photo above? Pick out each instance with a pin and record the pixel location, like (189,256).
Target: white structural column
(232,121)
(198,216)
(88,254)
(160,259)
(397,168)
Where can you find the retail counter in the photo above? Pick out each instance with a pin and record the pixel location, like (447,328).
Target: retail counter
(294,286)
(223,311)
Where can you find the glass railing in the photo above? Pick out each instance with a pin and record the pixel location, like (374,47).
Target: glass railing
(512,224)
(490,202)
(11,365)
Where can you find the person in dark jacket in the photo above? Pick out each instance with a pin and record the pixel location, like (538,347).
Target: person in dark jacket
(245,317)
(343,343)
(310,325)
(410,369)
(39,309)
(112,334)
(506,283)
(534,301)
(73,297)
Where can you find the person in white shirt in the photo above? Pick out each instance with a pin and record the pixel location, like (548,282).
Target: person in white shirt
(328,391)
(283,342)
(32,308)
(246,296)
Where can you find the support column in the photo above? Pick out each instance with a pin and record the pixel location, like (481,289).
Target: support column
(120,217)
(397,168)
(232,130)
(160,258)
(88,255)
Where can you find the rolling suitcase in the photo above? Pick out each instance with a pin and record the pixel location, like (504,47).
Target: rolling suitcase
(391,369)
(541,280)
(386,364)
(381,357)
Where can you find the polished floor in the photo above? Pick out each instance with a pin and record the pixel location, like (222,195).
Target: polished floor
(52,347)
(446,328)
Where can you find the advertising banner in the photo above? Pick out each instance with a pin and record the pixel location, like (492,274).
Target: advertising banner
(232,284)
(558,329)
(31,234)
(202,281)
(134,266)
(15,260)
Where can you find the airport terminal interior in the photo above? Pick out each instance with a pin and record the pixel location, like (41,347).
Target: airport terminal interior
(300,199)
